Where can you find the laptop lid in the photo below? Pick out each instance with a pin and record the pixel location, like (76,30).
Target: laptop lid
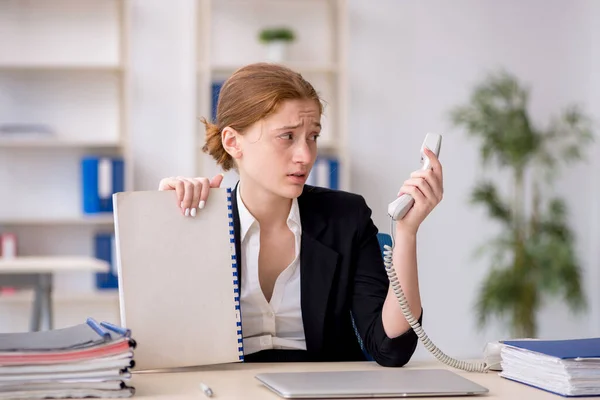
(395,382)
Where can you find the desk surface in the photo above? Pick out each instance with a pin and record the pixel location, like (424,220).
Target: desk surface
(51,264)
(236,381)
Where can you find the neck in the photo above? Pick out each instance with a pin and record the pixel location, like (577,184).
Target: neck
(269,209)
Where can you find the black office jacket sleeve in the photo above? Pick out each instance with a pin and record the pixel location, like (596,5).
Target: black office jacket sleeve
(341,275)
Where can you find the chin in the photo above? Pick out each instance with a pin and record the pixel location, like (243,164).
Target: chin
(291,191)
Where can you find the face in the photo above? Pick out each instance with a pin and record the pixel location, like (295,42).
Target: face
(277,153)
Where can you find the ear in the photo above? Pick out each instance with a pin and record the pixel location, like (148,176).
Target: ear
(230,138)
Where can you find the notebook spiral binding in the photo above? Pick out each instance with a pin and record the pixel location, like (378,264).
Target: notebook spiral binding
(236,287)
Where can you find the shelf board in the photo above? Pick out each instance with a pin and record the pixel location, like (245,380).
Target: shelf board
(96,296)
(33,143)
(34,67)
(51,264)
(104,219)
(304,68)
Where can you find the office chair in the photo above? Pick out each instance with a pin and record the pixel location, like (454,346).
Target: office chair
(383,239)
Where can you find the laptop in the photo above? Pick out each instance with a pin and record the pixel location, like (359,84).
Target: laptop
(394,382)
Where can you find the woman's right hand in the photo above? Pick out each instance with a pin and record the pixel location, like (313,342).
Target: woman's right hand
(191,192)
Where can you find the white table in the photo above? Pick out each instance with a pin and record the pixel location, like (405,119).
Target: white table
(36,272)
(236,381)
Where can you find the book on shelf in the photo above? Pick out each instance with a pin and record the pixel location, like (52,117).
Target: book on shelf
(215,91)
(564,367)
(101,177)
(19,131)
(325,173)
(104,246)
(8,245)
(92,359)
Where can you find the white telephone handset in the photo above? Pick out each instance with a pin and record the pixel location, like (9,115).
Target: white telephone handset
(397,210)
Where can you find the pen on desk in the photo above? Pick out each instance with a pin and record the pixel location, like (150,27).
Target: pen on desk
(207,391)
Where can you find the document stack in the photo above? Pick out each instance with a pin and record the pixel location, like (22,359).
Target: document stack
(87,360)
(564,367)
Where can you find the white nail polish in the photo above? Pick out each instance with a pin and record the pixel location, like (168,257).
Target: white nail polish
(202,203)
(193,212)
(187,212)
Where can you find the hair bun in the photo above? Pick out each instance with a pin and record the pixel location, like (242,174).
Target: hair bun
(214,146)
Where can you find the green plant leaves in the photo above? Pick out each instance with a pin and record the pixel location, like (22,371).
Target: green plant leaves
(496,116)
(534,257)
(485,194)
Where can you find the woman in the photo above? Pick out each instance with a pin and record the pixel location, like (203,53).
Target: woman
(310,259)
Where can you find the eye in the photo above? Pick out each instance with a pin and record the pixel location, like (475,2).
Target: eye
(315,136)
(286,136)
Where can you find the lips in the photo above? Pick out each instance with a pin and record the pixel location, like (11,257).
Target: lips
(297,178)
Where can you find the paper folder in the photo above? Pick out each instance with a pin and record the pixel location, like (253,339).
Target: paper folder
(178,287)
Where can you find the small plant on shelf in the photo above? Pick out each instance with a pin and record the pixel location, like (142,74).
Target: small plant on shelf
(284,34)
(277,41)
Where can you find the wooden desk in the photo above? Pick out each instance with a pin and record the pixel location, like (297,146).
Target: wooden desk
(236,381)
(36,272)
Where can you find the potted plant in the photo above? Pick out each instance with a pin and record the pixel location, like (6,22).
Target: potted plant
(277,40)
(534,255)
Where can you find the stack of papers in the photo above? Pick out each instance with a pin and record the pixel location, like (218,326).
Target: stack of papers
(564,367)
(87,360)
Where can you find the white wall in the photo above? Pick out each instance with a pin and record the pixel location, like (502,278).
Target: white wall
(410,62)
(163,90)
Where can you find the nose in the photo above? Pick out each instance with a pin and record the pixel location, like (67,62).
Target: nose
(302,152)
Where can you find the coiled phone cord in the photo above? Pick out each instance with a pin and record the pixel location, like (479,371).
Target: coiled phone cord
(414,323)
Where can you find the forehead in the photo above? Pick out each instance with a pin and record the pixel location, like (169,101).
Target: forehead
(296,111)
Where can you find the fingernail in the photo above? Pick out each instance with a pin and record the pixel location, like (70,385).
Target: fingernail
(222,174)
(187,212)
(193,212)
(202,203)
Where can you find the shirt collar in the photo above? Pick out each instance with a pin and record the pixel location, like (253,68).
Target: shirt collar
(247,220)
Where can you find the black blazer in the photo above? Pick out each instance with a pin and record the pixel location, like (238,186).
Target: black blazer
(341,273)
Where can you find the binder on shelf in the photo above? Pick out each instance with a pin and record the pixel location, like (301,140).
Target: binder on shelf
(104,249)
(90,359)
(101,178)
(564,367)
(325,173)
(8,245)
(215,91)
(178,286)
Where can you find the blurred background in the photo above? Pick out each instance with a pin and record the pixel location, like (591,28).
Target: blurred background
(99,96)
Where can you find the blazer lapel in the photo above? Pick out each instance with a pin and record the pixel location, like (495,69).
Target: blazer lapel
(317,269)
(318,264)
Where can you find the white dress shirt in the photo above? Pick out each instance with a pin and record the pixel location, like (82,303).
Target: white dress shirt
(276,324)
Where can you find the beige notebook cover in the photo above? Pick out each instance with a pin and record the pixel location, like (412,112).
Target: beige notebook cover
(178,288)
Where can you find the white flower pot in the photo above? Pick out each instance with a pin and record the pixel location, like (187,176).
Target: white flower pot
(277,51)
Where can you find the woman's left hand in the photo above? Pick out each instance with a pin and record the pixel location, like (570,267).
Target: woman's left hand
(427,188)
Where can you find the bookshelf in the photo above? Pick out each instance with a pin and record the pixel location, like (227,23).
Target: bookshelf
(227,38)
(64,85)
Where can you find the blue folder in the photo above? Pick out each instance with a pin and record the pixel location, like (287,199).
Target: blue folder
(563,349)
(104,250)
(93,201)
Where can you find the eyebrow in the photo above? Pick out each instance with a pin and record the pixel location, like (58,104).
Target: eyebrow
(318,125)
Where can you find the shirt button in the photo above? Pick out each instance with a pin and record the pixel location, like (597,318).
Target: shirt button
(270,314)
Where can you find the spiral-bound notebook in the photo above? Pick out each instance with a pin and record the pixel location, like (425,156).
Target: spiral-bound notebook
(178,287)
